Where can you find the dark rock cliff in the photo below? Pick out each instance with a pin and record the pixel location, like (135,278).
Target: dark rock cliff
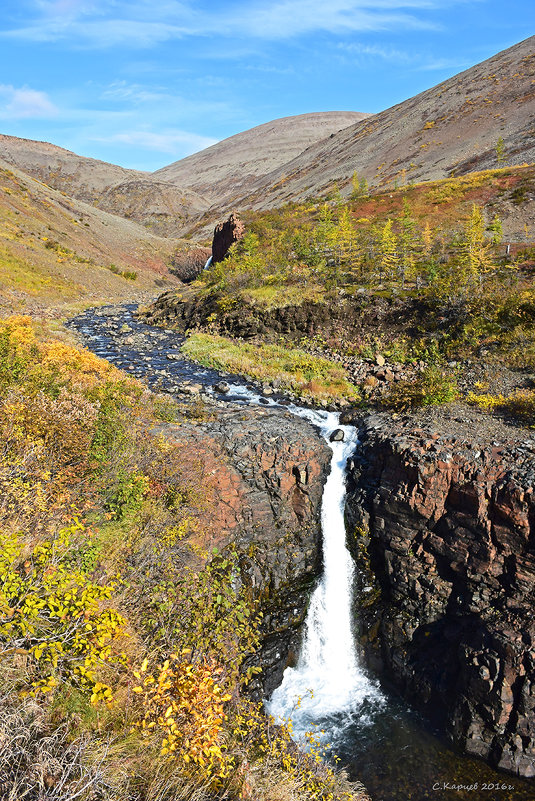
(226,234)
(187,309)
(442,526)
(266,470)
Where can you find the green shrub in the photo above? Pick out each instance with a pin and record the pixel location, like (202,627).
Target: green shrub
(433,387)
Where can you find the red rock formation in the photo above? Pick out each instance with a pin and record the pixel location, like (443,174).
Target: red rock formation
(225,235)
(444,522)
(262,475)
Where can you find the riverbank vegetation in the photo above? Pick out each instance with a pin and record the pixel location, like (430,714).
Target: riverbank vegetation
(288,369)
(126,636)
(417,274)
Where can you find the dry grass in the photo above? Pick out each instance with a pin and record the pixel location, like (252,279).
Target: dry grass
(48,765)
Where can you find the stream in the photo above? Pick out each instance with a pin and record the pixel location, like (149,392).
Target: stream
(382,742)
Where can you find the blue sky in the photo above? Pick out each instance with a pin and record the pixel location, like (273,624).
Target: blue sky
(143,83)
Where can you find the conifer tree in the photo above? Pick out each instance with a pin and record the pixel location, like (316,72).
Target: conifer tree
(474,257)
(500,152)
(359,187)
(346,239)
(496,229)
(407,242)
(355,184)
(388,251)
(428,265)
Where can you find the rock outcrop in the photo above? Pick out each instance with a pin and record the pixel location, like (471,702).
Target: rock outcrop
(265,472)
(187,265)
(442,520)
(225,235)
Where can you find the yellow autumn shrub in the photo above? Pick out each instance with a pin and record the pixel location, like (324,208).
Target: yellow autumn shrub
(184,706)
(52,612)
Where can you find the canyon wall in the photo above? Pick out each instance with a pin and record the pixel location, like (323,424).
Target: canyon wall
(441,524)
(264,471)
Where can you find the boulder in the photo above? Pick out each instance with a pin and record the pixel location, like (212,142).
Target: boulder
(337,435)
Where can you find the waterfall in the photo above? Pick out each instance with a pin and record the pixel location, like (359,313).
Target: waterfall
(208,263)
(328,687)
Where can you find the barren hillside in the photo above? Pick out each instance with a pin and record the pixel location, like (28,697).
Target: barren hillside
(132,194)
(452,128)
(227,169)
(56,250)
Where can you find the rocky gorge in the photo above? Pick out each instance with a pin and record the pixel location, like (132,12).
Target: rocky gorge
(264,468)
(268,470)
(441,512)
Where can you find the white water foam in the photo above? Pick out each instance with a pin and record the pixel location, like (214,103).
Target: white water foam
(328,682)
(327,687)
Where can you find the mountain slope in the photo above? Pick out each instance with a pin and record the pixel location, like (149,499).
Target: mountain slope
(56,250)
(451,128)
(132,194)
(225,170)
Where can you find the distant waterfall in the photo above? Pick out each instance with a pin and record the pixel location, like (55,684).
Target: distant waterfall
(208,263)
(328,682)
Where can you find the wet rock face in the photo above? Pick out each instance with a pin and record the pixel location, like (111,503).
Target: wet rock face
(443,527)
(225,235)
(266,470)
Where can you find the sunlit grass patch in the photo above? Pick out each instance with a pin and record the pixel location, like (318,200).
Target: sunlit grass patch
(293,369)
(520,405)
(277,296)
(21,275)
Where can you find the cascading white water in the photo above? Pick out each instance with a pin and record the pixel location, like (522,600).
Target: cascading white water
(328,682)
(327,686)
(208,263)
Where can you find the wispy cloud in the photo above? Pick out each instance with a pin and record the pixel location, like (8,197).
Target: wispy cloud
(443,64)
(377,51)
(174,142)
(290,18)
(134,92)
(161,104)
(416,61)
(141,23)
(24,103)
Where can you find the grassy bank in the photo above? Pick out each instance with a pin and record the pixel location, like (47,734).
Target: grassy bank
(288,369)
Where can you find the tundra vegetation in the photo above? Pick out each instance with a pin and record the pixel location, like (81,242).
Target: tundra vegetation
(125,637)
(433,251)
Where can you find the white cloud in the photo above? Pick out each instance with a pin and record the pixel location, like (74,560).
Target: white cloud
(173,142)
(24,103)
(289,18)
(143,23)
(386,53)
